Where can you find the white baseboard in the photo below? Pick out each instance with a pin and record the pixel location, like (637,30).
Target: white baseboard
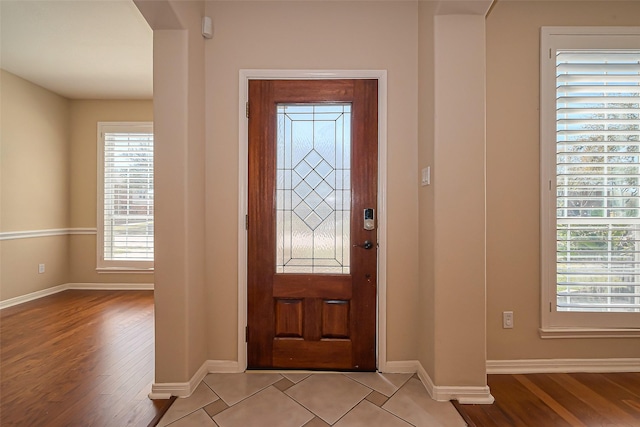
(185,389)
(223,366)
(85,286)
(479,395)
(546,366)
(400,367)
(32,296)
(463,394)
(164,391)
(112,286)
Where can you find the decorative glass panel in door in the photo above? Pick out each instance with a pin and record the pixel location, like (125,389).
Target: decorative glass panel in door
(313,188)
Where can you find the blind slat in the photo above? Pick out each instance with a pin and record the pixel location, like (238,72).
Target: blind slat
(596,78)
(571,87)
(597,170)
(128,195)
(596,67)
(597,99)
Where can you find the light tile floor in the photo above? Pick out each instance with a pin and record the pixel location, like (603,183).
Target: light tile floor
(366,399)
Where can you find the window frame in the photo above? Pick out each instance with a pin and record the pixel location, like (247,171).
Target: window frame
(114,266)
(555,324)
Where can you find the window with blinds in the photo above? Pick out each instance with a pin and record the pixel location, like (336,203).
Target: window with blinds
(125,217)
(598,180)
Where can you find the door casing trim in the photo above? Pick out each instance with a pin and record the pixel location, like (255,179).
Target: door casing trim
(243,192)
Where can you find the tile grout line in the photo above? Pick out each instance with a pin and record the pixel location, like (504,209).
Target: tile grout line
(293,399)
(246,397)
(382,374)
(398,417)
(315,415)
(220,398)
(371,390)
(365,398)
(389,398)
(195,410)
(346,413)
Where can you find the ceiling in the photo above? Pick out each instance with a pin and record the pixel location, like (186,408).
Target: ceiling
(88,49)
(97,49)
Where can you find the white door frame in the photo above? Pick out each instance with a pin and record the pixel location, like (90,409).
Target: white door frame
(243,191)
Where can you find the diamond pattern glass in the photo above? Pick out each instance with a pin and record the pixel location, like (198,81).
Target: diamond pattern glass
(313,188)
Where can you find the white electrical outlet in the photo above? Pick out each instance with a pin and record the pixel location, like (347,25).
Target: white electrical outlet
(40,268)
(507,319)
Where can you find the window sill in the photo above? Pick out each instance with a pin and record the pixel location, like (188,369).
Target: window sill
(551,333)
(127,270)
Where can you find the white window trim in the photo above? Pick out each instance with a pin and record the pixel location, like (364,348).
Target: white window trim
(556,324)
(102,265)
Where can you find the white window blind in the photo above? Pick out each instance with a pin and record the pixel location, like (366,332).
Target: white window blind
(126,228)
(598,180)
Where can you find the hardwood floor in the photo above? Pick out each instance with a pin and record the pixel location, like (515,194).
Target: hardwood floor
(79,358)
(86,358)
(550,400)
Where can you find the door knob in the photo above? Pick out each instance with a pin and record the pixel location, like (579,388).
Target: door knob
(366,245)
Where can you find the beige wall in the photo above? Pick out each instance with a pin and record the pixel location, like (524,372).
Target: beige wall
(35,151)
(312,35)
(82,201)
(424,285)
(19,265)
(34,186)
(459,201)
(426,291)
(49,182)
(54,140)
(513,190)
(179,111)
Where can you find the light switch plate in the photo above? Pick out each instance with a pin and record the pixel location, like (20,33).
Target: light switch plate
(426,176)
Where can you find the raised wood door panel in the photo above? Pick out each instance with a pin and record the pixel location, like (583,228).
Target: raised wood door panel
(311,320)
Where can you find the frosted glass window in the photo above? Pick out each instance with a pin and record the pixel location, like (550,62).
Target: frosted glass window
(313,188)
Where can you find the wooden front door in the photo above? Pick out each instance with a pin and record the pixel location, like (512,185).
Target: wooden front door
(312,231)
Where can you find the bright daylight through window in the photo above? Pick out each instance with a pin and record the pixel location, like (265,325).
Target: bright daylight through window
(596,179)
(125,196)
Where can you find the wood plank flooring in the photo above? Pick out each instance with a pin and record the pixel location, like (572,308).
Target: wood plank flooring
(550,400)
(86,358)
(79,358)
